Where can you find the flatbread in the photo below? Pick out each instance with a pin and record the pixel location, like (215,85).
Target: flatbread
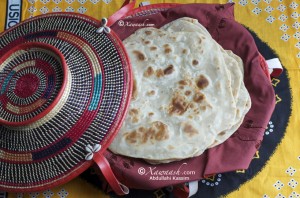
(234,65)
(243,104)
(185,96)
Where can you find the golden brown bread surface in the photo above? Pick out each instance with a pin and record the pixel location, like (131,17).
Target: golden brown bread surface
(188,93)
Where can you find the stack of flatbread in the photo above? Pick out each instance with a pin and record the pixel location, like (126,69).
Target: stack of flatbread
(188,93)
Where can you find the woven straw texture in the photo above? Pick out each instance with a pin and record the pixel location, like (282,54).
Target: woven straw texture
(92,104)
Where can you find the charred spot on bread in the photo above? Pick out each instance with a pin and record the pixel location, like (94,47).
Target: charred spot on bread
(139,55)
(195,62)
(149,72)
(169,70)
(202,82)
(178,105)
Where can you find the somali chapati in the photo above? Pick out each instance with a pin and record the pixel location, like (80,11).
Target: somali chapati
(186,96)
(234,65)
(243,102)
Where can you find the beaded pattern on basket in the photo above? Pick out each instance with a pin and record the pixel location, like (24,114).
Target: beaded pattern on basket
(30,81)
(55,146)
(147,12)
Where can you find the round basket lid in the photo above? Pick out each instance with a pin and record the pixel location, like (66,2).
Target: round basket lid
(65,82)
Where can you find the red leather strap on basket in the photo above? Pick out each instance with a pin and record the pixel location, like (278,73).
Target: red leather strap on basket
(181,191)
(126,7)
(111,179)
(264,66)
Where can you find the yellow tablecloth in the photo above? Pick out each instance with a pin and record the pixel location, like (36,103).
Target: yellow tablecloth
(276,22)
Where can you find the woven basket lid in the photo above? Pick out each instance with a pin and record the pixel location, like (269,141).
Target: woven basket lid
(65,82)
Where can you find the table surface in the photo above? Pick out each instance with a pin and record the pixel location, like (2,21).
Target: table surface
(275,169)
